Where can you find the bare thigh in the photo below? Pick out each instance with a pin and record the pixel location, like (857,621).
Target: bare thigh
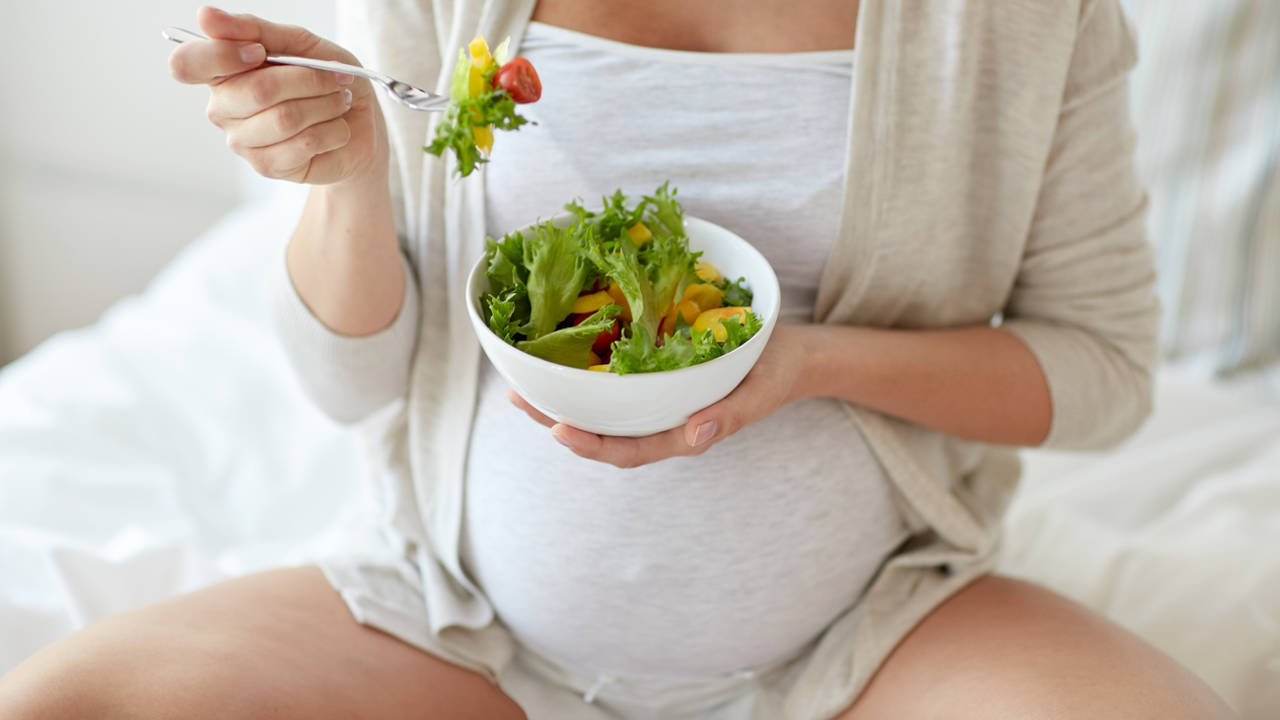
(1004,648)
(278,644)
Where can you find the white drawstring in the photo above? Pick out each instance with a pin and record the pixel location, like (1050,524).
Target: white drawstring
(601,681)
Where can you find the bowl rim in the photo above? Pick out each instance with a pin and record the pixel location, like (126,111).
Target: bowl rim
(762,335)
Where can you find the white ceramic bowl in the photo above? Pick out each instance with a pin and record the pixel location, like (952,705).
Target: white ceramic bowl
(640,403)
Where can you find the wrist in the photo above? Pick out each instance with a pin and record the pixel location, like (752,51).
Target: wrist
(813,362)
(368,184)
(346,222)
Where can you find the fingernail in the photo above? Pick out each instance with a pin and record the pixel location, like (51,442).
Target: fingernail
(705,432)
(345,79)
(346,98)
(253,54)
(555,433)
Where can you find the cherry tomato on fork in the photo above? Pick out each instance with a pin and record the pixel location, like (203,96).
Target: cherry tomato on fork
(520,80)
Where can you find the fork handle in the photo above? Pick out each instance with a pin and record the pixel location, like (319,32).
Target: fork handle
(179,35)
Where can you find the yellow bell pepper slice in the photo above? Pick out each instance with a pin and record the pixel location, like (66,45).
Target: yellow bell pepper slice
(484,138)
(599,368)
(668,324)
(480,57)
(591,303)
(480,62)
(706,272)
(476,86)
(640,233)
(713,320)
(620,300)
(688,310)
(705,295)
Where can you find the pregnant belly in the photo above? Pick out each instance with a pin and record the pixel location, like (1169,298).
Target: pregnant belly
(690,566)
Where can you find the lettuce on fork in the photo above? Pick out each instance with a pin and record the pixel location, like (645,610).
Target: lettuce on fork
(617,289)
(483,94)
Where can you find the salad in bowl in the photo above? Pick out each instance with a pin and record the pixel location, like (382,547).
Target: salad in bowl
(626,319)
(617,290)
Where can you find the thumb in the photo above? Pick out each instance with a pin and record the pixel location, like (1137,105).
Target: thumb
(278,39)
(725,417)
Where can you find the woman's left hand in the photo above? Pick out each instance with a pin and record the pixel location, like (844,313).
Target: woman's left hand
(775,380)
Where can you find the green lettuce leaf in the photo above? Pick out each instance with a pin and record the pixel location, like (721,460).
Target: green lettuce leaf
(504,316)
(557,273)
(502,53)
(735,292)
(637,353)
(664,216)
(667,255)
(609,223)
(622,265)
(494,108)
(572,345)
(459,85)
(506,267)
(670,264)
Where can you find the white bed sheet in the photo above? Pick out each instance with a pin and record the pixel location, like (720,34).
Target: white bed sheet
(1175,535)
(168,446)
(165,447)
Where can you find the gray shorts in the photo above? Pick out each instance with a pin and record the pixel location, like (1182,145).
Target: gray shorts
(387,595)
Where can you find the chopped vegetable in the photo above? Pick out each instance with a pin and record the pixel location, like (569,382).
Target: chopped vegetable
(688,311)
(735,293)
(622,265)
(591,302)
(572,345)
(705,295)
(618,289)
(478,104)
(706,272)
(639,233)
(713,320)
(615,292)
(520,80)
(557,271)
(502,312)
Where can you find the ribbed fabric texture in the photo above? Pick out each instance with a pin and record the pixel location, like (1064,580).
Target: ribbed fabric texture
(1206,96)
(347,377)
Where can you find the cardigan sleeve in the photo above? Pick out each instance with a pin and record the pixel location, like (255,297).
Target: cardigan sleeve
(347,377)
(1084,297)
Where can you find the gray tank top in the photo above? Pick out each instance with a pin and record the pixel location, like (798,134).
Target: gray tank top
(691,566)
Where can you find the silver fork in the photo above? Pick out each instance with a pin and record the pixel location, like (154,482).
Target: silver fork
(411,97)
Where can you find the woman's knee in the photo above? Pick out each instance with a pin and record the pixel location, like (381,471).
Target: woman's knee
(1003,648)
(53,685)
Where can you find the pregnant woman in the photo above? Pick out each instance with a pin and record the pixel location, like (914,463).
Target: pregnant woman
(947,193)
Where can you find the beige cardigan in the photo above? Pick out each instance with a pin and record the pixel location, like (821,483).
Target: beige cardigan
(990,173)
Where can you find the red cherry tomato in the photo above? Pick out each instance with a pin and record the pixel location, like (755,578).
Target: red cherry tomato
(520,80)
(605,339)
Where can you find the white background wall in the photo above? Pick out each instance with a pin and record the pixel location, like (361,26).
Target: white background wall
(108,167)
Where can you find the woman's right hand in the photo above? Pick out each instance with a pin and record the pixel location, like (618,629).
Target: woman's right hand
(288,122)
